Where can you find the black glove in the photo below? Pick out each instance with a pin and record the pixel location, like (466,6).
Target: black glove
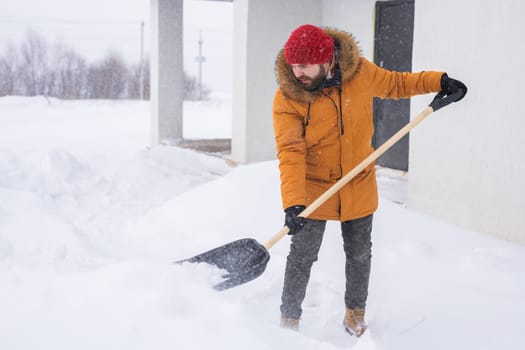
(451,86)
(295,223)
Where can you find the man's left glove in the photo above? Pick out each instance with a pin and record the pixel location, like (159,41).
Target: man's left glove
(451,86)
(294,222)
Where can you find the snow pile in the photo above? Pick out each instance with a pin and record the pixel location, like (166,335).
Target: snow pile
(91,219)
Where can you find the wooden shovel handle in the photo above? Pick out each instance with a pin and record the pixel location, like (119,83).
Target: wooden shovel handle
(350,175)
(440,100)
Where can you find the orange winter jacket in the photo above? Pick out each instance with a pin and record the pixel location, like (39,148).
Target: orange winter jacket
(320,136)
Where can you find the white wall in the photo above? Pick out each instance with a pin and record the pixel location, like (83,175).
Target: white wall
(466,161)
(260,30)
(356,17)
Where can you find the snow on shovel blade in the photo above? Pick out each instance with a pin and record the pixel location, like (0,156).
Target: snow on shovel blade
(243,260)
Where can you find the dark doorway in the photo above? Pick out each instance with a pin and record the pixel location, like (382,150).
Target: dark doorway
(394,32)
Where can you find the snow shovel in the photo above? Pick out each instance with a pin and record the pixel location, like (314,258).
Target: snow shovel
(246,259)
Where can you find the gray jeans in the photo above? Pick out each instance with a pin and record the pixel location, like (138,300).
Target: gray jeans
(304,249)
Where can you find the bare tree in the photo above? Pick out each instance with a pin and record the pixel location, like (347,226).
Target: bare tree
(70,73)
(107,79)
(34,66)
(146,79)
(8,71)
(37,68)
(138,81)
(192,91)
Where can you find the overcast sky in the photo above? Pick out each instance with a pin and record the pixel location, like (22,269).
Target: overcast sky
(94,27)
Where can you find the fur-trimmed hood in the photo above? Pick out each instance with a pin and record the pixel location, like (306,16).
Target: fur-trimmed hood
(348,60)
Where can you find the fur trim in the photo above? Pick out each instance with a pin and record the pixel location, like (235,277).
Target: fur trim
(348,63)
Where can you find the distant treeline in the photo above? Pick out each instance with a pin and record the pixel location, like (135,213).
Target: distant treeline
(38,68)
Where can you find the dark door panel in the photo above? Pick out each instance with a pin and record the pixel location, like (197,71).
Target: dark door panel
(394,32)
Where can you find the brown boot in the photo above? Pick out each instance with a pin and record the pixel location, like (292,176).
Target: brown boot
(290,323)
(354,322)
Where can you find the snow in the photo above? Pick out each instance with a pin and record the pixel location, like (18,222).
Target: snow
(91,218)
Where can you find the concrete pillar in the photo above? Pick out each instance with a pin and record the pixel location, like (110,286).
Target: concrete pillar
(167,77)
(260,31)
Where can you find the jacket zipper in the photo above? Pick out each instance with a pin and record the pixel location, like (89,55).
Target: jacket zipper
(342,127)
(341,110)
(307,115)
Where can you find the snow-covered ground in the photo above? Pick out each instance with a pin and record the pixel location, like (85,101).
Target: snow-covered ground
(91,218)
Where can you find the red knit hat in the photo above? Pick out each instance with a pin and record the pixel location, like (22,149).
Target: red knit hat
(308,44)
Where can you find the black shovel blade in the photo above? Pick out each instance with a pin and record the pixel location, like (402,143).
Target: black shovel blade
(243,260)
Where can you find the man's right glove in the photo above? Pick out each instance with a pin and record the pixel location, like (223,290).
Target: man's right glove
(294,222)
(451,86)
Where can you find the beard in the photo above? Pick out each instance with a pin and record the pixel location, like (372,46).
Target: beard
(313,83)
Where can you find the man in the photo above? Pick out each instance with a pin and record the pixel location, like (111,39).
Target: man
(322,116)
